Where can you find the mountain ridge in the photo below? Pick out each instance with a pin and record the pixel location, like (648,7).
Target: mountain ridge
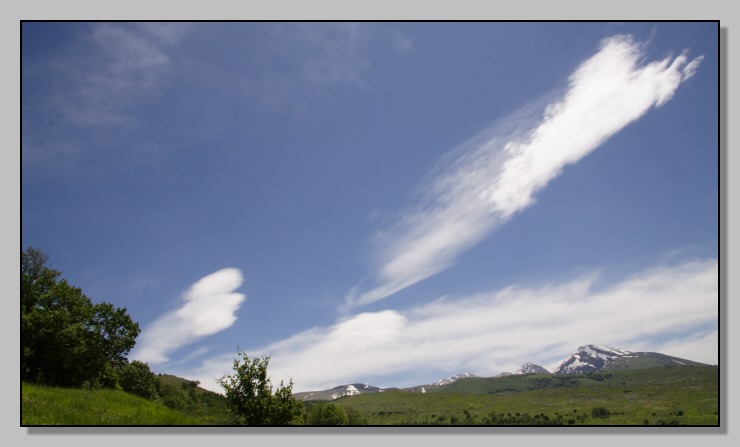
(586,359)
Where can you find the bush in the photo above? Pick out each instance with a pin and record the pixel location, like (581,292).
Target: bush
(326,414)
(354,416)
(136,378)
(600,412)
(250,398)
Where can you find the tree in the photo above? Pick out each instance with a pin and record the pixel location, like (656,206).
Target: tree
(36,278)
(109,336)
(66,340)
(250,398)
(136,378)
(323,413)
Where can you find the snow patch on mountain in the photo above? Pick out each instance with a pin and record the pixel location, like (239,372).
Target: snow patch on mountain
(451,379)
(587,359)
(353,390)
(531,368)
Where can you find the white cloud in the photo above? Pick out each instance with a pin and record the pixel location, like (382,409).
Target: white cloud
(90,87)
(701,346)
(499,171)
(284,66)
(497,331)
(209,306)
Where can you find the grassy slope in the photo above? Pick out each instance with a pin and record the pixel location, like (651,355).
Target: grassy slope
(63,406)
(685,396)
(209,407)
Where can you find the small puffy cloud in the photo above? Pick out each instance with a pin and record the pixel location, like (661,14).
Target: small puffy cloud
(495,175)
(496,331)
(209,306)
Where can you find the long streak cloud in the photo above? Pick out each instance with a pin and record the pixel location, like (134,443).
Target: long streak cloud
(495,331)
(490,178)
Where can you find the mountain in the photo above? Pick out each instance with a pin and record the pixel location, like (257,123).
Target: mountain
(593,358)
(360,388)
(585,360)
(339,391)
(456,377)
(439,383)
(531,368)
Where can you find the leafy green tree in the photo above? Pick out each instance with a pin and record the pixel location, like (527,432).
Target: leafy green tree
(323,413)
(250,397)
(66,340)
(190,386)
(136,378)
(36,278)
(173,398)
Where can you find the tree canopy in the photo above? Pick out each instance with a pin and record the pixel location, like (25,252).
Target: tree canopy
(136,378)
(66,339)
(250,397)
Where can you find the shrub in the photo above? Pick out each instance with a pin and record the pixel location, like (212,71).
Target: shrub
(136,378)
(326,414)
(250,397)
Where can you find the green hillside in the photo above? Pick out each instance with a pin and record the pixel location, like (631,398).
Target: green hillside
(643,360)
(180,402)
(656,396)
(653,396)
(187,397)
(66,406)
(530,382)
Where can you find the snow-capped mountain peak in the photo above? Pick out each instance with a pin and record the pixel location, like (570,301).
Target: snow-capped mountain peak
(353,390)
(449,380)
(588,358)
(602,351)
(531,368)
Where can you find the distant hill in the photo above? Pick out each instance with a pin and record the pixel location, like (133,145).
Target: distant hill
(594,358)
(586,359)
(531,368)
(361,388)
(337,392)
(662,396)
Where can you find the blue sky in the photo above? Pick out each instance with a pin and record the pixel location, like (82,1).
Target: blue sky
(387,203)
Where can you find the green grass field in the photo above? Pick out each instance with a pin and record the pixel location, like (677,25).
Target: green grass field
(656,396)
(62,406)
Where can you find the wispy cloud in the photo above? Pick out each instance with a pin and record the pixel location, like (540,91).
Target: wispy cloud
(126,63)
(490,178)
(79,98)
(326,53)
(497,331)
(281,67)
(103,80)
(209,306)
(701,346)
